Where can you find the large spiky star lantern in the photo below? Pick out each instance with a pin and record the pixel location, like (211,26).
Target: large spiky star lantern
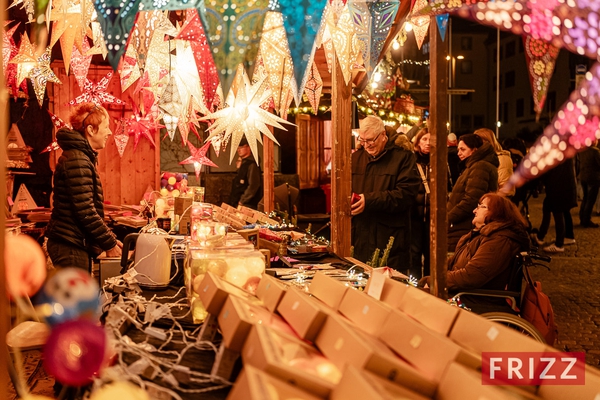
(244,115)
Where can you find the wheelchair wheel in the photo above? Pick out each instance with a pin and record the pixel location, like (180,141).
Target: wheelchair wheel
(517,323)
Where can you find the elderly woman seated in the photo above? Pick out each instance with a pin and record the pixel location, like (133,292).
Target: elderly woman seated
(484,256)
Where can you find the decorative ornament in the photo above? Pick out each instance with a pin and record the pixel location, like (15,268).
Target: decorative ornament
(28,5)
(344,41)
(9,48)
(234,29)
(186,76)
(541,59)
(139,125)
(25,59)
(121,137)
(41,74)
(277,62)
(96,93)
(420,23)
(67,26)
(158,59)
(58,122)
(301,19)
(198,158)
(80,63)
(442,24)
(314,86)
(372,23)
(244,116)
(51,147)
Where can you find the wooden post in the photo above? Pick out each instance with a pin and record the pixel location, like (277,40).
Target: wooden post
(341,171)
(268,174)
(438,111)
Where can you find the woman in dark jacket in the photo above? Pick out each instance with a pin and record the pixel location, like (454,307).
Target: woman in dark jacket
(484,256)
(77,230)
(419,223)
(479,177)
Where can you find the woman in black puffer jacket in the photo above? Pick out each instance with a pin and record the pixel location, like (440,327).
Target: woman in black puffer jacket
(77,231)
(479,177)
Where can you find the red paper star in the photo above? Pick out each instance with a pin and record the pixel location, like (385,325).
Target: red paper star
(138,125)
(51,147)
(96,93)
(58,122)
(198,158)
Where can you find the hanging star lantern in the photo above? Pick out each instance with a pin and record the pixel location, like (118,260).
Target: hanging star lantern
(25,59)
(198,158)
(170,103)
(28,5)
(138,125)
(342,37)
(51,147)
(96,93)
(313,88)
(67,27)
(9,48)
(41,74)
(420,23)
(244,116)
(186,76)
(80,63)
(58,122)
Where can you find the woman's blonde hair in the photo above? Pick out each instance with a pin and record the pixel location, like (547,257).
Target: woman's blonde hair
(488,136)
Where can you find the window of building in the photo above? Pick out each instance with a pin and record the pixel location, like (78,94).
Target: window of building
(466,67)
(505,113)
(465,122)
(478,121)
(510,48)
(466,43)
(510,79)
(520,111)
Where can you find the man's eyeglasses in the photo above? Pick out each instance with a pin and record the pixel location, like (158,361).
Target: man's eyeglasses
(369,141)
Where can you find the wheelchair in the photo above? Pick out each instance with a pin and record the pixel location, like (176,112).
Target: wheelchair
(513,294)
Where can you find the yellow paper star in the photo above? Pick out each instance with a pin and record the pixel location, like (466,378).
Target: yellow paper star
(25,59)
(244,116)
(68,27)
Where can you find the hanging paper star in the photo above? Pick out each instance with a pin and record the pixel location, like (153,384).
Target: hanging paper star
(420,23)
(28,5)
(313,88)
(51,147)
(342,37)
(245,116)
(58,122)
(186,76)
(198,158)
(138,125)
(25,59)
(158,59)
(98,39)
(541,59)
(41,74)
(96,93)
(372,23)
(80,63)
(193,31)
(67,26)
(170,103)
(277,62)
(9,48)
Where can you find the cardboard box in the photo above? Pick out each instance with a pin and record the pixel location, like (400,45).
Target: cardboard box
(270,291)
(291,360)
(237,317)
(361,385)
(393,292)
(429,310)
(304,314)
(214,292)
(367,313)
(479,334)
(344,345)
(182,207)
(253,384)
(327,289)
(461,383)
(428,351)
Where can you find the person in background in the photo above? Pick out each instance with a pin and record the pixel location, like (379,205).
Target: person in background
(403,142)
(453,160)
(246,188)
(420,217)
(589,176)
(479,177)
(76,231)
(386,183)
(561,196)
(505,169)
(484,256)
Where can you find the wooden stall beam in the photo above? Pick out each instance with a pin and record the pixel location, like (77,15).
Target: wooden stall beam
(341,171)
(438,111)
(268,174)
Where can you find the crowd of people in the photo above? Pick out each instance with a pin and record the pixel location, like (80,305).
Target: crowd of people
(391,176)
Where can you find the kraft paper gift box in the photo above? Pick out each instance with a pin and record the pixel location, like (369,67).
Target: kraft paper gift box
(327,289)
(291,360)
(344,345)
(214,292)
(237,316)
(429,310)
(429,351)
(364,311)
(253,384)
(305,314)
(387,290)
(360,385)
(270,291)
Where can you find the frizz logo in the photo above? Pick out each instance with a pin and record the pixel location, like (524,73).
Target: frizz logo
(533,368)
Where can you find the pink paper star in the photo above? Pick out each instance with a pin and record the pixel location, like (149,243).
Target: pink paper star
(96,93)
(198,158)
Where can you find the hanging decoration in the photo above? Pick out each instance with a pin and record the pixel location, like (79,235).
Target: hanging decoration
(245,117)
(129,71)
(158,59)
(301,32)
(9,48)
(59,122)
(193,32)
(67,26)
(96,93)
(372,23)
(138,125)
(51,147)
(189,121)
(276,62)
(234,29)
(420,23)
(25,59)
(442,24)
(313,88)
(170,103)
(80,63)
(121,137)
(541,59)
(198,158)
(185,72)
(28,6)
(345,42)
(41,74)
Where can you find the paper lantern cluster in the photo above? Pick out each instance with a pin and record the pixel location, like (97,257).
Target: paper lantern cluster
(172,184)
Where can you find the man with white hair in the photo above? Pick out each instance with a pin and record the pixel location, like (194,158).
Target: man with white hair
(385,179)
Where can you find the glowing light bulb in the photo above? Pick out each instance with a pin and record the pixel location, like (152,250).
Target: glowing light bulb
(408,26)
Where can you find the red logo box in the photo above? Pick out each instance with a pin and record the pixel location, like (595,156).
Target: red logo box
(533,368)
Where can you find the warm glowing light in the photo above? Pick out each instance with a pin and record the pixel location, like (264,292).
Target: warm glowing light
(460,57)
(408,26)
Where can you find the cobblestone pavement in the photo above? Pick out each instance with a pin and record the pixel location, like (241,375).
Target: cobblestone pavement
(573,285)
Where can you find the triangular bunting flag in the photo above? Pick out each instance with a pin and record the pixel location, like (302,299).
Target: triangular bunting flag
(442,24)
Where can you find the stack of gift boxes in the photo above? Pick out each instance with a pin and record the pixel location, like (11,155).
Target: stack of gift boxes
(336,342)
